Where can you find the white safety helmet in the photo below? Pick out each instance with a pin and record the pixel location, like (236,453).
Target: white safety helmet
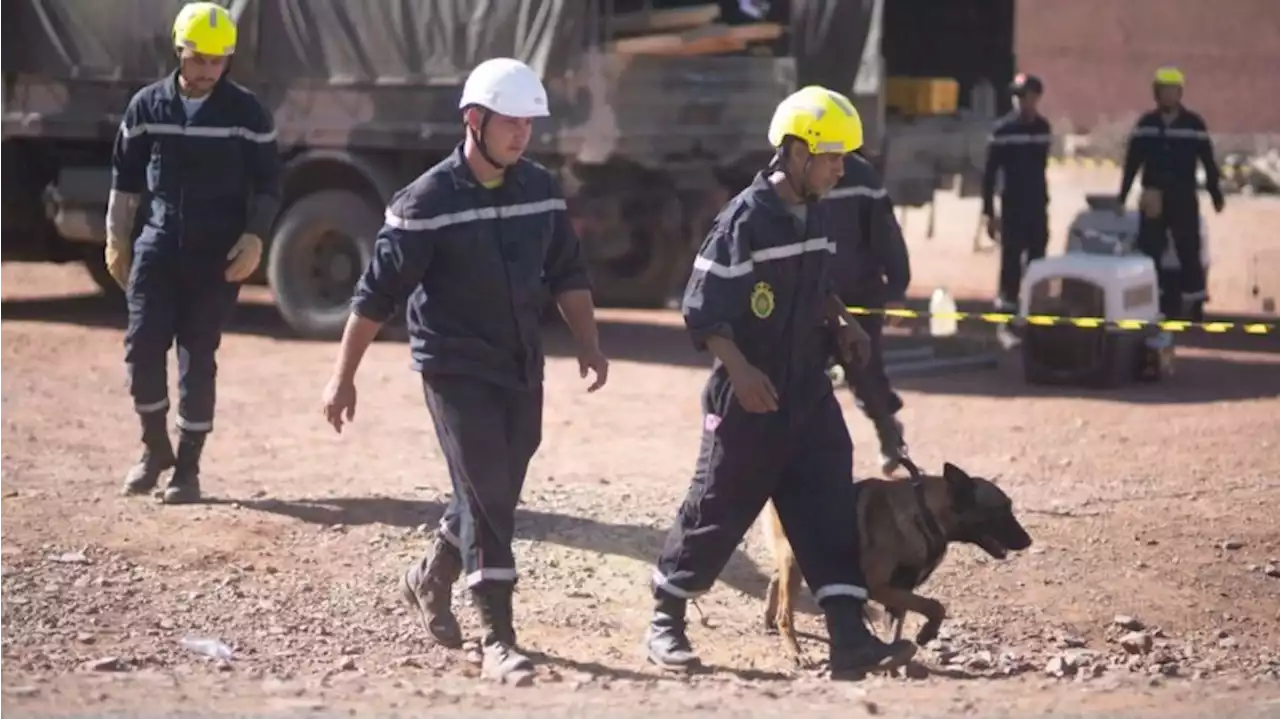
(505,86)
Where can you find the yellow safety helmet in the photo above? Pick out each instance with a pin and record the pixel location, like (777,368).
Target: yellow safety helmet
(206,28)
(823,119)
(1169,75)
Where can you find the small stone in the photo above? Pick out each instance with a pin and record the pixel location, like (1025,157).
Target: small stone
(86,638)
(25,691)
(1136,642)
(104,664)
(1271,570)
(1232,545)
(1125,621)
(1071,641)
(1228,642)
(345,664)
(979,661)
(1060,666)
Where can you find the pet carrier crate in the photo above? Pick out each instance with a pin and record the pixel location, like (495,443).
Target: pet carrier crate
(1108,288)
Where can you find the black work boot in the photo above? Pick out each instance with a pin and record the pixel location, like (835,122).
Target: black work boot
(184,486)
(157,456)
(854,649)
(892,445)
(666,642)
(428,587)
(503,662)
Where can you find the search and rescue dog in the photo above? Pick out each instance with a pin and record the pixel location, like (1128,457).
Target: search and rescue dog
(905,526)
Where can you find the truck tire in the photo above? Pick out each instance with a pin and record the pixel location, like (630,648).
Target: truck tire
(321,245)
(643,276)
(95,263)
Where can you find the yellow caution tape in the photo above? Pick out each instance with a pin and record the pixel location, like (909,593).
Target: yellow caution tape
(1004,318)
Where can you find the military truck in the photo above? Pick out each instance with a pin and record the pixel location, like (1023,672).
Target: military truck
(648,142)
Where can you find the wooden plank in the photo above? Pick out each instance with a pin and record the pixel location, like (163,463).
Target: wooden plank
(711,40)
(653,21)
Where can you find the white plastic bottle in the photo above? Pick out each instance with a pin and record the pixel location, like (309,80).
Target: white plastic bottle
(942,313)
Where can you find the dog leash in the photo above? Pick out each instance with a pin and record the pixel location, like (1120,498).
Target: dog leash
(936,538)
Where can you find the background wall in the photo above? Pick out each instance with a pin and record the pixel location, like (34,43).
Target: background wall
(1097,58)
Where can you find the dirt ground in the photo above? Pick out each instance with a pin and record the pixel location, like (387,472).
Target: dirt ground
(1151,506)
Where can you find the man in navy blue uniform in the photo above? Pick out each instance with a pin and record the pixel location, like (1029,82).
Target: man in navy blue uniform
(872,269)
(204,149)
(1019,148)
(761,300)
(1166,145)
(474,245)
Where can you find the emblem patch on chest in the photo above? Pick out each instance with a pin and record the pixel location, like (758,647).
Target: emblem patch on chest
(762,300)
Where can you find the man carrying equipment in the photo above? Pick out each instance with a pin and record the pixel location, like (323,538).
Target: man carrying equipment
(475,244)
(761,300)
(1019,146)
(872,269)
(204,149)
(1166,144)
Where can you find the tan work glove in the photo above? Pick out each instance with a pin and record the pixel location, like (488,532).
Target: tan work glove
(119,256)
(244,257)
(122,207)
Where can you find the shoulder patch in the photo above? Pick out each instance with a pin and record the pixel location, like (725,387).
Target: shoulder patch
(762,301)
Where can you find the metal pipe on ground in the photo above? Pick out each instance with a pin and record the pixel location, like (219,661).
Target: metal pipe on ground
(941,365)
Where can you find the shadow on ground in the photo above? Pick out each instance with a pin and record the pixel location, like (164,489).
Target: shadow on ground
(635,542)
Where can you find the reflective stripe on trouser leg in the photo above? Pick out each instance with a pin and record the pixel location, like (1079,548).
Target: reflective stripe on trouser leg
(150,331)
(737,470)
(487,434)
(817,504)
(203,310)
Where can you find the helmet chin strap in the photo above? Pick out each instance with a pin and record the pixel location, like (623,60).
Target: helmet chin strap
(478,137)
(807,197)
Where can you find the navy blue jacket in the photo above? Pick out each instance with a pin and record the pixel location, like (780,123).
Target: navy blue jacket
(1019,147)
(1168,155)
(476,266)
(872,265)
(761,279)
(208,178)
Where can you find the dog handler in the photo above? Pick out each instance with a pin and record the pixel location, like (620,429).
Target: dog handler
(761,301)
(474,244)
(204,149)
(872,269)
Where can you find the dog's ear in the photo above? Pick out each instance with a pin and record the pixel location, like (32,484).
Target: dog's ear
(952,473)
(960,484)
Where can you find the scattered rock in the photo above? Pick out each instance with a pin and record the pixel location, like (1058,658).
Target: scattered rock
(1061,666)
(1125,621)
(1271,570)
(1136,642)
(25,691)
(70,558)
(104,664)
(1071,641)
(1232,544)
(345,664)
(979,661)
